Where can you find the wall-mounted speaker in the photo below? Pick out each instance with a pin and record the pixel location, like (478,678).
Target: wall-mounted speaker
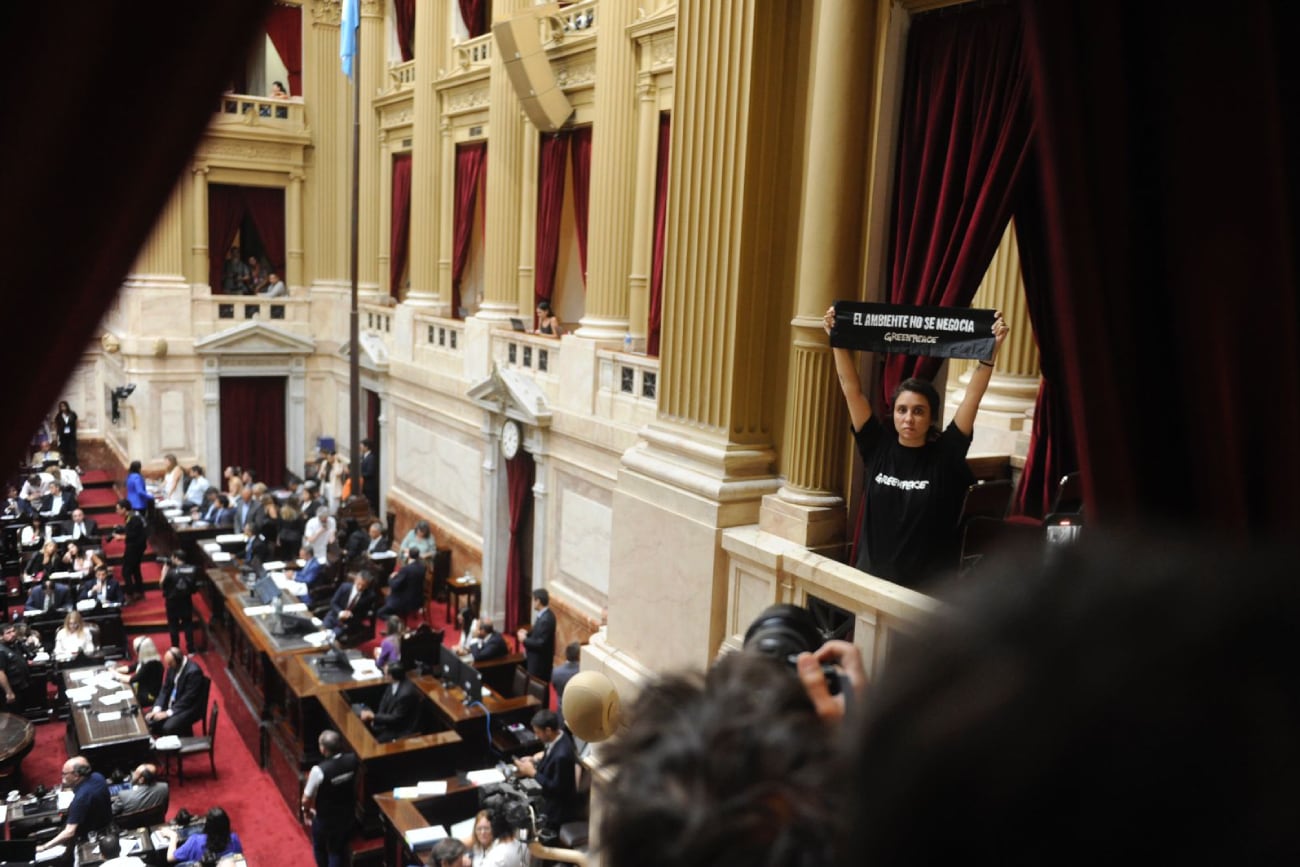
(519,45)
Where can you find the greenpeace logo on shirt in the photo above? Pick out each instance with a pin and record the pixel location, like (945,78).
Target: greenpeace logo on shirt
(902,484)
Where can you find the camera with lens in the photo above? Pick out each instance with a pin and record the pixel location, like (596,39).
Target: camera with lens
(785,631)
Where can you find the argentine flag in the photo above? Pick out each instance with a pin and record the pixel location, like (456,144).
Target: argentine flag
(348,34)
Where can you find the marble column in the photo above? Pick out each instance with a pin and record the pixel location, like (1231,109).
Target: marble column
(541,464)
(809,509)
(507,129)
(1013,388)
(293,231)
(613,187)
(371,73)
(706,462)
(427,181)
(199,251)
(643,213)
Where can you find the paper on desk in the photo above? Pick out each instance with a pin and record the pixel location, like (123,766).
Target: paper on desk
(53,853)
(274,566)
(131,845)
(211,546)
(297,588)
(382,555)
(221,557)
(258,610)
(230,538)
(108,680)
(78,675)
(432,787)
(485,777)
(109,716)
(365,669)
(462,830)
(182,519)
(80,693)
(424,836)
(4,813)
(64,799)
(167,742)
(318,639)
(295,607)
(406,793)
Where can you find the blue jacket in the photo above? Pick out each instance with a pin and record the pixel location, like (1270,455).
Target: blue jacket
(137,493)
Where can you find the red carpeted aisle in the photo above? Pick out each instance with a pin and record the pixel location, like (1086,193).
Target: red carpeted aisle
(271,834)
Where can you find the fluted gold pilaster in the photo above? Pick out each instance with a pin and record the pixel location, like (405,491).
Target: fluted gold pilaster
(199,249)
(447,212)
(428,171)
(613,186)
(507,129)
(384,255)
(327,196)
(643,213)
(371,72)
(163,255)
(529,154)
(293,275)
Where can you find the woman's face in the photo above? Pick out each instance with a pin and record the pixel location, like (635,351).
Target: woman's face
(50,549)
(912,418)
(483,832)
(74,622)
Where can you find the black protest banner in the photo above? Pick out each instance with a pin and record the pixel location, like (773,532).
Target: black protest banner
(942,332)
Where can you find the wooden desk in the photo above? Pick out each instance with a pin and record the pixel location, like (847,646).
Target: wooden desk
(460,588)
(17,736)
(110,745)
(400,815)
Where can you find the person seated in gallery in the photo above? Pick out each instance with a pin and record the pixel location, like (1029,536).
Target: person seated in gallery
(275,287)
(233,273)
(180,701)
(487,643)
(47,596)
(81,526)
(351,604)
(104,589)
(406,587)
(14,507)
(398,715)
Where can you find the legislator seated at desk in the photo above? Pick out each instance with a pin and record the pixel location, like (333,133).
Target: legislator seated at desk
(80,526)
(353,605)
(74,639)
(180,703)
(145,792)
(47,596)
(398,714)
(104,589)
(91,808)
(406,587)
(487,643)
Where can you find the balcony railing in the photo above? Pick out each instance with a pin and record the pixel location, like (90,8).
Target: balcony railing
(236,108)
(474,53)
(534,352)
(401,76)
(627,387)
(571,21)
(219,312)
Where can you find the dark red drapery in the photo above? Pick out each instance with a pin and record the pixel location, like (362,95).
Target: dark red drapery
(400,239)
(519,479)
(1172,212)
(580,153)
(284,27)
(471,162)
(265,207)
(966,124)
(225,213)
(550,208)
(474,14)
(252,425)
(405,19)
(661,222)
(1052,451)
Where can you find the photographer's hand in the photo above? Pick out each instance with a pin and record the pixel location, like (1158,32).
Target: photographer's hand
(849,660)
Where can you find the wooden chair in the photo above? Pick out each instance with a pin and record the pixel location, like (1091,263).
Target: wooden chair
(987,499)
(538,689)
(145,818)
(197,745)
(519,686)
(1069,495)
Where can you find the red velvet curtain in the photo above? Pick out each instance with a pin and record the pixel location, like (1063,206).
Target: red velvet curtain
(471,163)
(661,222)
(399,246)
(580,154)
(225,213)
(966,123)
(1169,139)
(405,14)
(474,14)
(1052,452)
(265,206)
(550,207)
(252,425)
(284,27)
(519,479)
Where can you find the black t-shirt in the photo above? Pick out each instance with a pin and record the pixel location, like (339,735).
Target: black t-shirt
(14,665)
(913,503)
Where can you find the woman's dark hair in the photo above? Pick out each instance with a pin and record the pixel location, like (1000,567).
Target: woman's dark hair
(134,468)
(926,389)
(216,826)
(544,306)
(280,84)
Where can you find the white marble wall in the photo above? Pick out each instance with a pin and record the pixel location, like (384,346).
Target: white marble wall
(440,467)
(583,536)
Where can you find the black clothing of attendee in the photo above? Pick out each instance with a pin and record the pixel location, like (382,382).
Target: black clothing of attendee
(66,427)
(913,503)
(356,543)
(398,714)
(370,479)
(556,774)
(147,680)
(178,586)
(137,539)
(290,539)
(48,596)
(493,646)
(111,594)
(182,694)
(13,662)
(539,646)
(405,590)
(335,800)
(360,608)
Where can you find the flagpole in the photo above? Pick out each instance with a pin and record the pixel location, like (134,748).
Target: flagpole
(354,362)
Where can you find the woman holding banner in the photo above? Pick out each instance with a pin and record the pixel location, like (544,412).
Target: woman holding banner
(916,475)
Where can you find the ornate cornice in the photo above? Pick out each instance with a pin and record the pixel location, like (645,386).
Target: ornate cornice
(326,11)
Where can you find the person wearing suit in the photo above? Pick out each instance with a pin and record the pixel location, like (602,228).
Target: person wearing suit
(351,603)
(180,702)
(104,589)
(82,527)
(539,644)
(248,510)
(554,769)
(65,425)
(255,545)
(47,596)
(487,643)
(370,475)
(406,588)
(136,535)
(398,715)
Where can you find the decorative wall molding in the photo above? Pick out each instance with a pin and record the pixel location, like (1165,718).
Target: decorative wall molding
(326,12)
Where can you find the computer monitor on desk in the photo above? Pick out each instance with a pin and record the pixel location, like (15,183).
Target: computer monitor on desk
(266,590)
(470,680)
(17,851)
(421,649)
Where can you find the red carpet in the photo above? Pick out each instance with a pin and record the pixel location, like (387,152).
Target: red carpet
(114,548)
(94,499)
(270,833)
(95,478)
